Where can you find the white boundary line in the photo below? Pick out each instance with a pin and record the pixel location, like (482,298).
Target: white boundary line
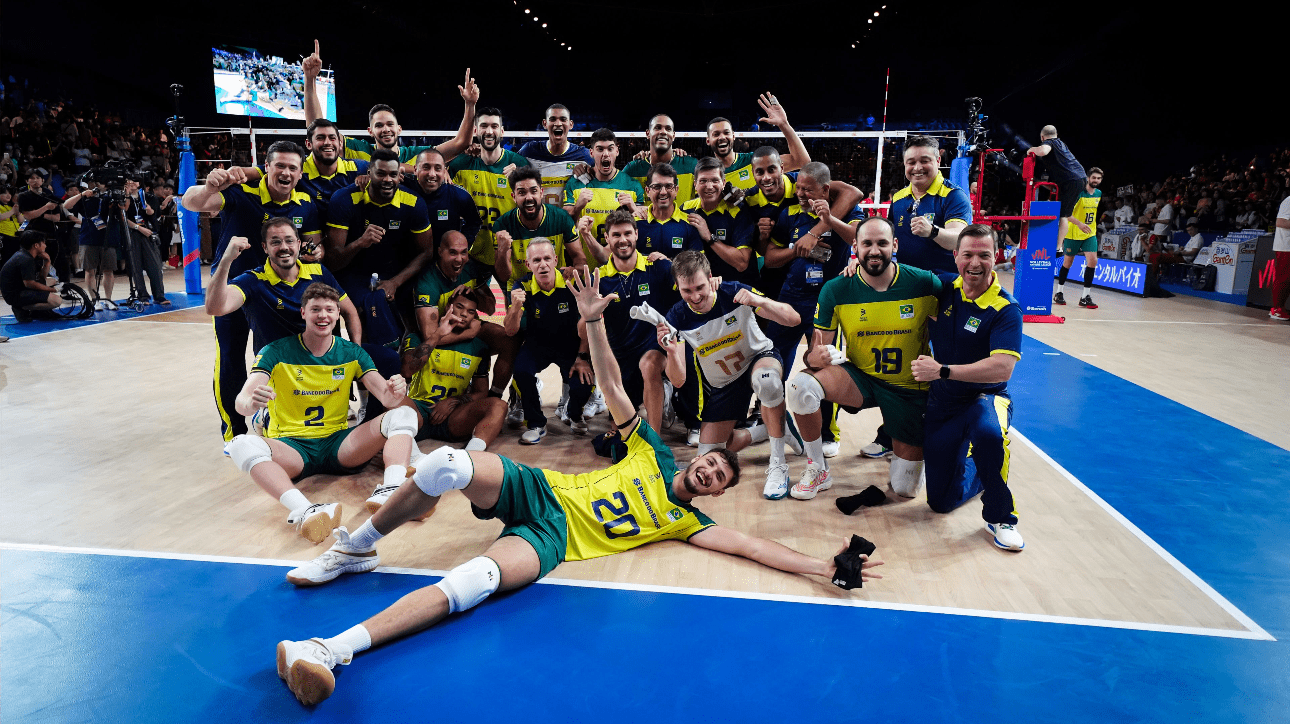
(1163,321)
(1256,630)
(96,323)
(1255,635)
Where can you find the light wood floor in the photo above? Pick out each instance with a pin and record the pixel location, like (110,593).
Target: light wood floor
(111,441)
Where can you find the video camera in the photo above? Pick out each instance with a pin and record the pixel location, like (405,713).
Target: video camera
(113,175)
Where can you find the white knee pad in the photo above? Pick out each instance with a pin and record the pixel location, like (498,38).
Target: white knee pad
(803,394)
(707,447)
(247,451)
(906,477)
(399,421)
(768,386)
(470,583)
(443,470)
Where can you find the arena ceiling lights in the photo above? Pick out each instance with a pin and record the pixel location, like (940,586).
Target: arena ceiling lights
(528,13)
(871,22)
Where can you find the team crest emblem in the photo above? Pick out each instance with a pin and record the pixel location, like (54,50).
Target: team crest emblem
(972,324)
(643,289)
(677,242)
(298,220)
(564,307)
(300,375)
(465,363)
(862,315)
(423,298)
(443,214)
(338,373)
(675,514)
(280,305)
(731,320)
(721,234)
(537,312)
(906,311)
(394,224)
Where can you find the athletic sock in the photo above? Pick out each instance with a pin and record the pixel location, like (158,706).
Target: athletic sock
(476,445)
(395,475)
(815,452)
(357,639)
(1061,277)
(365,537)
(777,450)
(1088,280)
(758,433)
(294,500)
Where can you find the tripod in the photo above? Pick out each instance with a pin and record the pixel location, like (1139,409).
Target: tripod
(116,217)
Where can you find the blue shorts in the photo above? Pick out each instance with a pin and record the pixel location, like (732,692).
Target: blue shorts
(731,402)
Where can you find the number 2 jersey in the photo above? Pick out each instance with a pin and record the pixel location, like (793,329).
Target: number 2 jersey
(726,339)
(884,332)
(311,394)
(626,505)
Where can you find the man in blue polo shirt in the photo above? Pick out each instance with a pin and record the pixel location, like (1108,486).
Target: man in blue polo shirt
(243,210)
(666,229)
(324,171)
(450,207)
(1064,170)
(976,342)
(727,229)
(270,297)
(930,211)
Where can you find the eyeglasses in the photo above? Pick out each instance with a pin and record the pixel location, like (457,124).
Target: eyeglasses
(662,187)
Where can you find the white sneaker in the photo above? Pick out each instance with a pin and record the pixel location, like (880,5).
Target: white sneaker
(1006,536)
(831,449)
(380,497)
(578,427)
(533,436)
(306,667)
(815,480)
(99,306)
(259,421)
(317,521)
(341,558)
(874,450)
(594,406)
(669,414)
(562,412)
(110,305)
(515,413)
(776,481)
(692,439)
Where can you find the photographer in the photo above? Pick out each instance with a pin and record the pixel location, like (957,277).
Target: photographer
(40,211)
(140,211)
(22,278)
(98,257)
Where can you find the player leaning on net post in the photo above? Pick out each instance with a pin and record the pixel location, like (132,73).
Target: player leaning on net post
(550,517)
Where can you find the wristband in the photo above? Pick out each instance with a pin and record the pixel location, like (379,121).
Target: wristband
(597,319)
(945,372)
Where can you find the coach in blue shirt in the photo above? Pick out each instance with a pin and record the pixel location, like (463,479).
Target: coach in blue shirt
(930,211)
(976,342)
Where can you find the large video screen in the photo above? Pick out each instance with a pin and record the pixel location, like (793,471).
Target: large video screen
(251,83)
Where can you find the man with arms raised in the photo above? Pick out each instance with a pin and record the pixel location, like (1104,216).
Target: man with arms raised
(550,517)
(738,166)
(882,312)
(555,158)
(484,177)
(304,382)
(976,339)
(660,134)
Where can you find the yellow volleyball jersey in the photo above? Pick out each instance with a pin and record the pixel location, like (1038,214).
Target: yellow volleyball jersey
(627,505)
(449,369)
(491,190)
(311,394)
(604,199)
(1085,211)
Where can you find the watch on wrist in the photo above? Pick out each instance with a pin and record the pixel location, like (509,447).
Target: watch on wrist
(945,372)
(935,230)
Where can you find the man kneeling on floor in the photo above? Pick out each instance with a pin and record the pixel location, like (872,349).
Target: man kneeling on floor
(304,383)
(550,517)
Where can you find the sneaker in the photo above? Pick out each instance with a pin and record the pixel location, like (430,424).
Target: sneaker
(306,667)
(515,413)
(1006,536)
(109,305)
(776,481)
(379,497)
(1087,303)
(594,406)
(875,450)
(562,412)
(814,480)
(1278,313)
(99,306)
(669,414)
(340,559)
(533,436)
(831,449)
(692,439)
(1059,299)
(317,521)
(577,427)
(259,421)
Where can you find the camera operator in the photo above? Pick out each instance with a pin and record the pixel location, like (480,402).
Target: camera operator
(140,211)
(97,257)
(41,212)
(22,278)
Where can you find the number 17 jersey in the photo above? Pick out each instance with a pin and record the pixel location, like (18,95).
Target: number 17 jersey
(725,339)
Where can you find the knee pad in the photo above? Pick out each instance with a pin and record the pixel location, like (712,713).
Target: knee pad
(399,421)
(768,386)
(247,451)
(803,394)
(470,583)
(443,470)
(707,447)
(906,477)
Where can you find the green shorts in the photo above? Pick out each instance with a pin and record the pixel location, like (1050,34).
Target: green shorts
(531,511)
(321,454)
(434,431)
(1071,247)
(902,409)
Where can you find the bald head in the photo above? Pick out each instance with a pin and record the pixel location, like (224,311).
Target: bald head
(1048,132)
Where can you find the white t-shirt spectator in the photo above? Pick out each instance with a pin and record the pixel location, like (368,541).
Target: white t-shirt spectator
(1196,242)
(1164,220)
(1281,242)
(1124,216)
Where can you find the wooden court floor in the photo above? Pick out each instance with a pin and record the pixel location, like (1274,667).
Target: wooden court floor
(112,442)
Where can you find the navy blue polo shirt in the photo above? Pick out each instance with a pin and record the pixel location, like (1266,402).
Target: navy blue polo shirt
(92,227)
(944,202)
(402,217)
(1061,163)
(671,236)
(731,225)
(804,277)
(649,281)
(550,318)
(272,305)
(970,330)
(320,188)
(245,208)
(451,208)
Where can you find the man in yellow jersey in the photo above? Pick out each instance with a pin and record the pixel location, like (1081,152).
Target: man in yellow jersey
(738,166)
(304,381)
(1081,237)
(485,178)
(659,135)
(605,190)
(550,517)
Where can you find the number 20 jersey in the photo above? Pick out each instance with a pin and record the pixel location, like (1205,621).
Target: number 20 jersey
(724,340)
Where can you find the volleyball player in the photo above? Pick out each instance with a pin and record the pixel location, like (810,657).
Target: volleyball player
(1081,237)
(555,158)
(737,167)
(607,190)
(659,135)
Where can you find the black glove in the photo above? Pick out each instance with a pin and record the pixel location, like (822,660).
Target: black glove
(849,565)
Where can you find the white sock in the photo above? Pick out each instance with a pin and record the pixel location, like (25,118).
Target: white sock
(356,638)
(395,475)
(476,445)
(1088,290)
(815,452)
(707,447)
(776,450)
(366,536)
(1061,287)
(416,454)
(758,433)
(294,500)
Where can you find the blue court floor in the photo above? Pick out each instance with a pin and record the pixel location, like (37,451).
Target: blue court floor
(10,327)
(92,637)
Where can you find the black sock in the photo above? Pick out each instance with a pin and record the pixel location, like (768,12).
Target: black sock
(1088,280)
(871,496)
(1061,275)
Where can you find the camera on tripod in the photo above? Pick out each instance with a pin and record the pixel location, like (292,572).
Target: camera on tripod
(114,175)
(978,138)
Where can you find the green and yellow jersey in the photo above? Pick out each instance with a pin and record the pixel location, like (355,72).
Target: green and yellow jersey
(627,505)
(638,170)
(311,394)
(491,190)
(361,149)
(553,224)
(884,332)
(604,198)
(433,289)
(448,370)
(740,173)
(1085,211)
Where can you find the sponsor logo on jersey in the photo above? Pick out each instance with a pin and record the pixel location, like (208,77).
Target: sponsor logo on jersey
(280,304)
(394,224)
(675,514)
(443,214)
(642,289)
(564,307)
(720,344)
(338,373)
(972,324)
(906,311)
(677,242)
